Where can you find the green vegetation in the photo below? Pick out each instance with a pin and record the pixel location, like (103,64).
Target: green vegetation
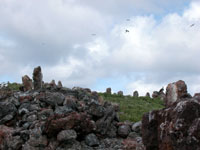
(12,86)
(132,108)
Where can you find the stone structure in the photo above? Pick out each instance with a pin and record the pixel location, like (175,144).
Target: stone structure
(27,83)
(109,91)
(120,93)
(175,91)
(37,78)
(135,94)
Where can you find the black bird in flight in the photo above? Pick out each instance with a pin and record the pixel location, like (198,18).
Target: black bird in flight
(192,25)
(127,19)
(93,34)
(126,30)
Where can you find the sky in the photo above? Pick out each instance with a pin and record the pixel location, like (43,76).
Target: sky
(85,43)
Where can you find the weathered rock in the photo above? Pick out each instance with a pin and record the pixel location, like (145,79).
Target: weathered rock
(108,91)
(124,130)
(175,91)
(53,84)
(136,127)
(60,84)
(120,93)
(135,94)
(27,83)
(173,128)
(147,94)
(197,96)
(91,140)
(37,78)
(66,135)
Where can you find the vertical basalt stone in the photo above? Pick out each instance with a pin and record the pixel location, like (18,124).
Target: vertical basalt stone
(108,91)
(60,84)
(27,83)
(135,94)
(120,93)
(37,78)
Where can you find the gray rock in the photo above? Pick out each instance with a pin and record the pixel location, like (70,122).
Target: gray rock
(66,135)
(62,110)
(123,131)
(135,94)
(91,140)
(136,127)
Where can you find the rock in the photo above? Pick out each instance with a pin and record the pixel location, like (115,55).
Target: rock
(175,91)
(27,83)
(66,135)
(109,91)
(135,94)
(136,127)
(197,96)
(37,78)
(53,84)
(91,140)
(120,93)
(7,112)
(60,84)
(175,127)
(123,131)
(155,94)
(147,94)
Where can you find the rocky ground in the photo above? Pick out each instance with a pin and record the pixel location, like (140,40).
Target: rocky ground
(46,116)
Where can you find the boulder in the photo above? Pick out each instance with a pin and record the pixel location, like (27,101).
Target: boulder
(135,94)
(91,140)
(27,83)
(60,84)
(173,128)
(175,91)
(124,130)
(37,78)
(120,93)
(147,94)
(66,135)
(109,91)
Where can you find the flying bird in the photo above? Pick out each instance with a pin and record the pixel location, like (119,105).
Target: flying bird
(93,34)
(127,19)
(126,30)
(192,25)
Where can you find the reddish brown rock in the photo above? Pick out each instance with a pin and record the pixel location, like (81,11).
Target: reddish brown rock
(174,128)
(37,78)
(27,83)
(175,91)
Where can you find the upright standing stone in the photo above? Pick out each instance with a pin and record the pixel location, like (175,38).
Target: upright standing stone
(37,78)
(175,91)
(147,94)
(27,83)
(53,83)
(120,93)
(135,94)
(108,91)
(60,84)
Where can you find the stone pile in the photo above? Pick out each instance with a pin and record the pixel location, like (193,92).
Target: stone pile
(177,126)
(51,117)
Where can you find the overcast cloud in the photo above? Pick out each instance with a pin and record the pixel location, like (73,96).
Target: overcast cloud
(160,47)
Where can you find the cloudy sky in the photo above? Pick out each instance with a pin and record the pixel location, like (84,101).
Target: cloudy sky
(84,43)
